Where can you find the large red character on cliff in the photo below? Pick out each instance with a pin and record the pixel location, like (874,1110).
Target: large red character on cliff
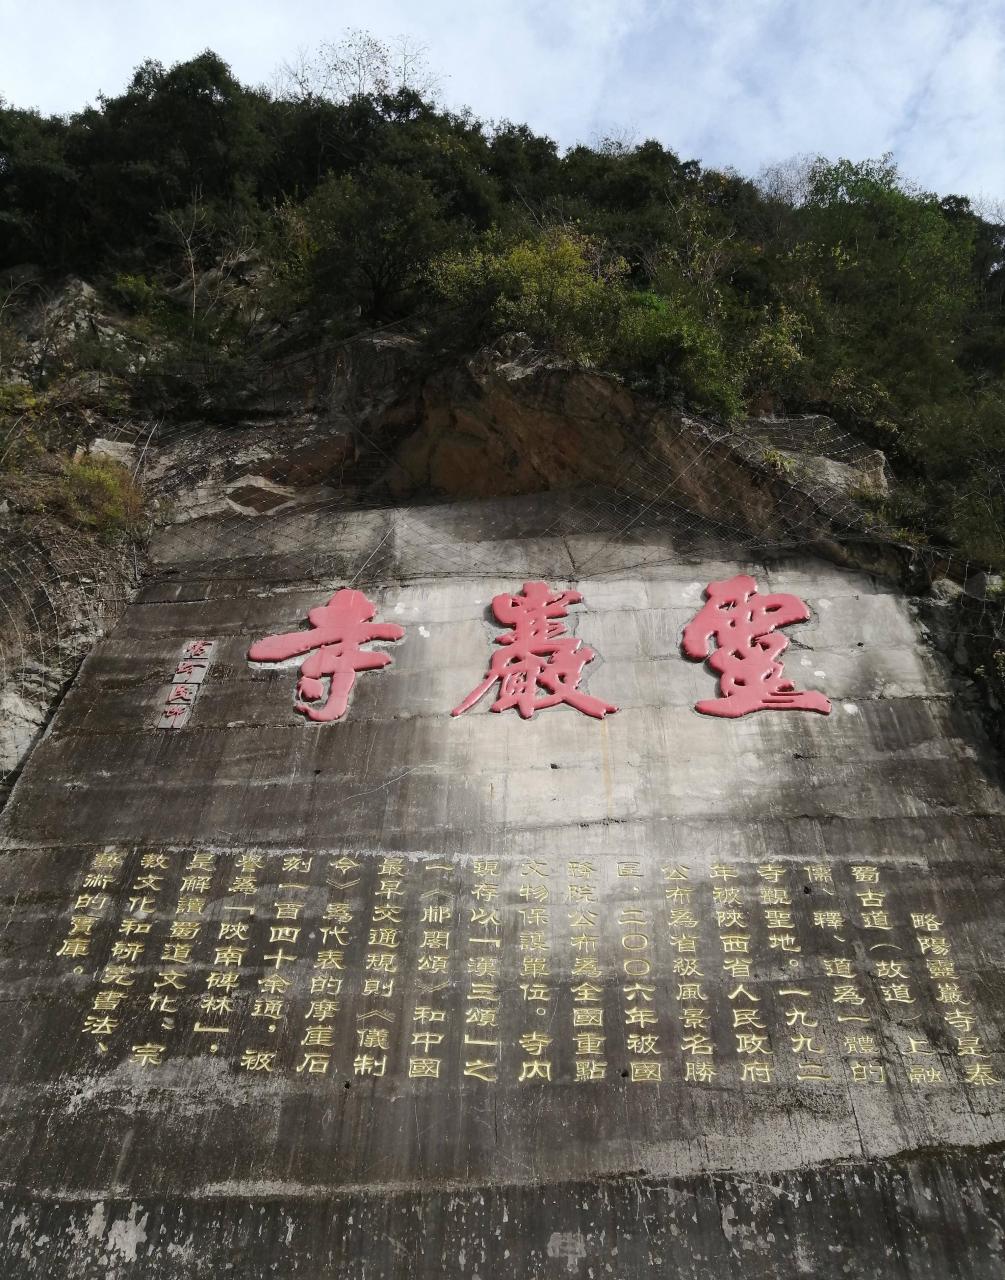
(743,626)
(338,629)
(541,665)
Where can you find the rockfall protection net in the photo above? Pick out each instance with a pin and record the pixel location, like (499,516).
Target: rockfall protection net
(242,500)
(237,488)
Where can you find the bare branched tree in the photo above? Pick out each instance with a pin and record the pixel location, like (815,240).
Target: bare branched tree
(53,325)
(209,293)
(990,208)
(297,78)
(359,64)
(188,231)
(618,140)
(410,68)
(787,181)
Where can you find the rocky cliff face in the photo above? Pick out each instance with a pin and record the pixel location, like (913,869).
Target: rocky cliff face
(375,421)
(511,422)
(172,1109)
(59,594)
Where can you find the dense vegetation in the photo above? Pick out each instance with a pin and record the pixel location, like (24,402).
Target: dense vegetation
(207,211)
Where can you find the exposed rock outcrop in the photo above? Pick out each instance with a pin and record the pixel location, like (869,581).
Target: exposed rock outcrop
(58,595)
(375,420)
(509,422)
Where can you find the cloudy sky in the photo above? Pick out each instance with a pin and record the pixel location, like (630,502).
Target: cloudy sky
(730,82)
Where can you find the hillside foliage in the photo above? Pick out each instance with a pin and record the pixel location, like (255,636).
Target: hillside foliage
(208,212)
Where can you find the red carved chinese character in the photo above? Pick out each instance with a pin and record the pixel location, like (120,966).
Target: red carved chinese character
(338,629)
(541,665)
(743,625)
(190,669)
(197,649)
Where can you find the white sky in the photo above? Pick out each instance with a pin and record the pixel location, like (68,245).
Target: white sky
(728,82)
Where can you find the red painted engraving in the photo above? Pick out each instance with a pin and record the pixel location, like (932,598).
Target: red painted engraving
(173,717)
(338,629)
(190,672)
(745,657)
(541,665)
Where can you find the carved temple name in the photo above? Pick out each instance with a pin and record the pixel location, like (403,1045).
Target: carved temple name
(540,665)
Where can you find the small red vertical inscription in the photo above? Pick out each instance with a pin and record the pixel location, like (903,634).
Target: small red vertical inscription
(337,632)
(740,627)
(540,664)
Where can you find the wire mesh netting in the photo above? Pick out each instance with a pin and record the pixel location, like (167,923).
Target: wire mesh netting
(283,495)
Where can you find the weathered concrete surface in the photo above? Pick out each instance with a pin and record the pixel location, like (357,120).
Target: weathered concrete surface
(197,1167)
(925,1215)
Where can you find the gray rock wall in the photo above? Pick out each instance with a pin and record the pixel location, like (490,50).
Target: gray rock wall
(712,997)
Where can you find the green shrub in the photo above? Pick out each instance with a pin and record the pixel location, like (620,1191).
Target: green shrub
(665,340)
(17,398)
(100,494)
(779,462)
(137,294)
(557,288)
(774,363)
